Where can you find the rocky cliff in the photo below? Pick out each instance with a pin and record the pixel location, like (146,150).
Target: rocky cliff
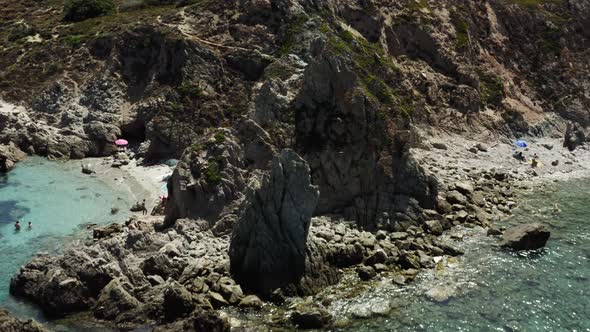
(278,111)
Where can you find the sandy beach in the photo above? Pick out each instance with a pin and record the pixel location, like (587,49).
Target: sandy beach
(135,181)
(462,157)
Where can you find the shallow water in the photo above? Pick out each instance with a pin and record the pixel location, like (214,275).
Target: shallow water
(500,291)
(60,202)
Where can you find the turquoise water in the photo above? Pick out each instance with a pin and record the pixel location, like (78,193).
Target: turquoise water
(59,201)
(496,290)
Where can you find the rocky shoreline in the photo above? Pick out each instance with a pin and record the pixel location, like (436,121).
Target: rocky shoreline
(151,272)
(143,273)
(307,134)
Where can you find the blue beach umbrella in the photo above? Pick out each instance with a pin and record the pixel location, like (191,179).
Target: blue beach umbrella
(521,143)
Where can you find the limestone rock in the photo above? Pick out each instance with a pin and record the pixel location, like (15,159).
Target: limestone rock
(251,301)
(311,317)
(455,197)
(8,323)
(269,245)
(177,302)
(99,233)
(574,136)
(434,227)
(366,272)
(114,300)
(526,237)
(207,180)
(441,294)
(10,154)
(464,188)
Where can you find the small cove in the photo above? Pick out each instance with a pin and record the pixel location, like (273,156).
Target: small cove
(60,202)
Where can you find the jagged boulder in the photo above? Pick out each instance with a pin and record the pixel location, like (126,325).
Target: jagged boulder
(200,321)
(10,154)
(114,300)
(526,237)
(270,247)
(8,323)
(574,136)
(207,180)
(55,291)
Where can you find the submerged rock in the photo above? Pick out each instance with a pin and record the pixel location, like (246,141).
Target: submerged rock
(526,237)
(311,317)
(440,294)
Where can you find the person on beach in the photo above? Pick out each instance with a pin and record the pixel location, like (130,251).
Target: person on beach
(519,156)
(17,225)
(143,208)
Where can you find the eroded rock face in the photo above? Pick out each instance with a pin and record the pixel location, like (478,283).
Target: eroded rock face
(362,165)
(270,247)
(574,136)
(526,237)
(12,324)
(9,156)
(208,179)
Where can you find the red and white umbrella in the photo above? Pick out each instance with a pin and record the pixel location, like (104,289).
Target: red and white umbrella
(121,142)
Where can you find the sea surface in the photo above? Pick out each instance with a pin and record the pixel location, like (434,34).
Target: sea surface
(60,202)
(497,290)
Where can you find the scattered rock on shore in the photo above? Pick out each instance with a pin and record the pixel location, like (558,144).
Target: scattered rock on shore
(311,316)
(8,323)
(526,237)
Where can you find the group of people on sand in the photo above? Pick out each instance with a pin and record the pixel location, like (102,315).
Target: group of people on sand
(534,160)
(17,225)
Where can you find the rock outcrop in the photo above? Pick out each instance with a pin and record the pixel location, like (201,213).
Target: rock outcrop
(358,156)
(208,181)
(8,323)
(9,156)
(574,136)
(270,246)
(526,237)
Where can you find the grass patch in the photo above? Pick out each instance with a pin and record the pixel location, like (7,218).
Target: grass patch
(491,88)
(219,137)
(190,90)
(462,32)
(371,65)
(535,3)
(419,5)
(294,28)
(76,41)
(212,172)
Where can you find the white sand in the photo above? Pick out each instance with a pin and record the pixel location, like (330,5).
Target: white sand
(457,160)
(138,182)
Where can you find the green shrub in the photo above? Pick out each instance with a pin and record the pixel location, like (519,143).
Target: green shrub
(219,137)
(189,89)
(491,88)
(213,172)
(76,40)
(80,10)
